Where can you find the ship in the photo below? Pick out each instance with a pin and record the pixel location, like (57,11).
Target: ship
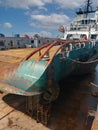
(76,52)
(84,25)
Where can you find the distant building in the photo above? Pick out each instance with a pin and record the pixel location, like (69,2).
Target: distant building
(22,42)
(12,42)
(37,41)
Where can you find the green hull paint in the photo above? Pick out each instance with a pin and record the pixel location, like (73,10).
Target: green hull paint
(32,76)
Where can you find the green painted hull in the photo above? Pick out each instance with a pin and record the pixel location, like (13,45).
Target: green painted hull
(33,77)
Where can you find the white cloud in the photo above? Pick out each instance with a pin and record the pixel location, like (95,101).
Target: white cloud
(52,21)
(73,4)
(43,8)
(25,4)
(69,3)
(45,34)
(7,25)
(41,33)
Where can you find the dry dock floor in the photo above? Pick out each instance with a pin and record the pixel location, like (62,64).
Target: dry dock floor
(95,122)
(12,107)
(13,116)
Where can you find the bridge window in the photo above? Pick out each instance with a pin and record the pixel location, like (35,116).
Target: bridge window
(93,36)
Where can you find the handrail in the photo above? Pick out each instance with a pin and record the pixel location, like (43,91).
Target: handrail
(54,43)
(50,45)
(35,51)
(66,42)
(57,51)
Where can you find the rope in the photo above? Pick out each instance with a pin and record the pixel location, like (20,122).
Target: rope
(87,62)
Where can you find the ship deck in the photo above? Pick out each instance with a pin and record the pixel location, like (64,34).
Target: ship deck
(13,107)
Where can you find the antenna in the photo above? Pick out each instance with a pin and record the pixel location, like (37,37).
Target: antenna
(88,9)
(88,6)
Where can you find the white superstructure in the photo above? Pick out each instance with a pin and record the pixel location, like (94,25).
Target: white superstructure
(83,25)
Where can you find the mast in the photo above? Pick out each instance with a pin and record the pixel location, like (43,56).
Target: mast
(87,10)
(88,7)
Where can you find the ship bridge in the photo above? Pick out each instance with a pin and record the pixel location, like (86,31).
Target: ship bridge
(83,24)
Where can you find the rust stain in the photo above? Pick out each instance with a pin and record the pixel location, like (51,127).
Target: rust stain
(10,122)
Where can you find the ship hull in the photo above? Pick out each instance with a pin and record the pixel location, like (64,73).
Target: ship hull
(84,69)
(33,77)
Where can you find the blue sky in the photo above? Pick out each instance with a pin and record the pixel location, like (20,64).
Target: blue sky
(37,16)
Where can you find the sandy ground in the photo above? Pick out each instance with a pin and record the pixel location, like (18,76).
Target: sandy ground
(10,58)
